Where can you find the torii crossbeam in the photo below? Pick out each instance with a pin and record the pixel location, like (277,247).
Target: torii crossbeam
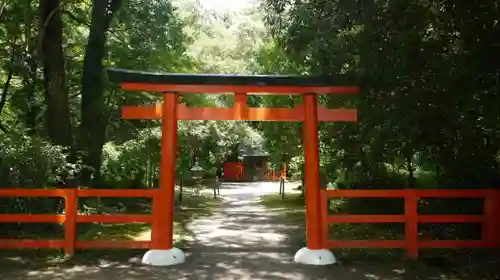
(240,112)
(170,111)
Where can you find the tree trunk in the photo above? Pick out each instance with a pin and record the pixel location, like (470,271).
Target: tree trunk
(93,126)
(56,93)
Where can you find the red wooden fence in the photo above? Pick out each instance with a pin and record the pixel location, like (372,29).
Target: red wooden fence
(276,174)
(273,174)
(71,218)
(233,171)
(411,218)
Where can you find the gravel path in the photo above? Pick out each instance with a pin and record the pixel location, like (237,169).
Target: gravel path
(242,240)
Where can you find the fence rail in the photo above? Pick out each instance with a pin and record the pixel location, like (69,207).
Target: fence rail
(71,218)
(411,218)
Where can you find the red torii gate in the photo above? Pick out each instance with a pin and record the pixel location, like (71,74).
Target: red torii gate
(170,111)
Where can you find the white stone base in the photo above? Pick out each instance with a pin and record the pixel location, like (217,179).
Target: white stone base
(314,257)
(164,257)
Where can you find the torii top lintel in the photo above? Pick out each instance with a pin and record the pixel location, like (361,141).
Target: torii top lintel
(220,84)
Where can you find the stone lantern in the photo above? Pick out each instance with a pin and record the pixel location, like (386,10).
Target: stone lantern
(197,174)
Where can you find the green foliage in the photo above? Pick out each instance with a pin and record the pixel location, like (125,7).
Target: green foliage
(32,162)
(296,167)
(428,86)
(152,34)
(240,33)
(135,163)
(145,35)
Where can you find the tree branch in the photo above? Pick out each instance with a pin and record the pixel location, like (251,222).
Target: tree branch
(2,128)
(75,18)
(87,24)
(3,7)
(6,85)
(114,6)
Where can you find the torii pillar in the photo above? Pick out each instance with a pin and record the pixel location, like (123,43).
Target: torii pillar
(313,253)
(163,251)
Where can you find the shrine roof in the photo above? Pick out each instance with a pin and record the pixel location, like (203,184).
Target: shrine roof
(222,83)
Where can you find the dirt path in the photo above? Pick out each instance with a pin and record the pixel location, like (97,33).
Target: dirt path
(245,241)
(242,240)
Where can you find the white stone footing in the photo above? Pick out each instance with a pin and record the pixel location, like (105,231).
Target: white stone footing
(164,257)
(314,257)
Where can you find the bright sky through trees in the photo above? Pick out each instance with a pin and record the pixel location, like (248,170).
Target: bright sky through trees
(233,5)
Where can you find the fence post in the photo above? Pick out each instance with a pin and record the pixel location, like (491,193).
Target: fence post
(181,189)
(494,225)
(70,212)
(489,218)
(411,226)
(325,226)
(282,188)
(216,186)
